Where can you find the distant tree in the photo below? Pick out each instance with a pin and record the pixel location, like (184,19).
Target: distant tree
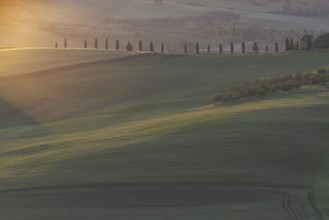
(209,49)
(85,44)
(276,47)
(220,49)
(65,43)
(162,48)
(151,47)
(158,2)
(197,49)
(307,42)
(297,45)
(129,46)
(106,44)
(322,42)
(243,47)
(287,45)
(96,43)
(255,48)
(266,49)
(56,45)
(117,45)
(185,49)
(140,46)
(232,47)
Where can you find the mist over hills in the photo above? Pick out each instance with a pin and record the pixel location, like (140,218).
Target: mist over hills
(172,21)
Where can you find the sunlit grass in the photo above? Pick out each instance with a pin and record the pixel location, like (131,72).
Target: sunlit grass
(55,148)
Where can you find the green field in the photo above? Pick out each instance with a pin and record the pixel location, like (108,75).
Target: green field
(136,138)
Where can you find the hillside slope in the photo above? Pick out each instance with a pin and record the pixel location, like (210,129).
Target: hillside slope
(136,139)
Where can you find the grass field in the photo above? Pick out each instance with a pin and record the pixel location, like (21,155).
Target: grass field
(31,59)
(136,138)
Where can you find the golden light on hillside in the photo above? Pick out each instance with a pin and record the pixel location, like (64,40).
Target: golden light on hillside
(18,23)
(5,7)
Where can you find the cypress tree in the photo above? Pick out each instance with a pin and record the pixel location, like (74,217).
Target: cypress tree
(297,45)
(65,43)
(129,46)
(107,44)
(209,49)
(266,49)
(255,48)
(96,43)
(292,44)
(220,49)
(151,46)
(117,45)
(232,48)
(140,46)
(162,47)
(185,49)
(287,45)
(243,47)
(276,47)
(197,49)
(85,44)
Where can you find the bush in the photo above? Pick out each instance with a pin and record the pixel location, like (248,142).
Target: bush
(322,71)
(322,42)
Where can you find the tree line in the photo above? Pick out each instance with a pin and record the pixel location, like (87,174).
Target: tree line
(151,48)
(266,86)
(307,42)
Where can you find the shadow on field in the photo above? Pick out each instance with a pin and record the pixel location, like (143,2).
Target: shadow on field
(69,67)
(176,194)
(160,200)
(12,117)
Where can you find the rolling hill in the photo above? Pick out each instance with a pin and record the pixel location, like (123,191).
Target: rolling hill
(134,137)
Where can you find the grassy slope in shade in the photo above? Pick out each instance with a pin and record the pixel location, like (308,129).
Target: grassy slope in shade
(38,59)
(137,124)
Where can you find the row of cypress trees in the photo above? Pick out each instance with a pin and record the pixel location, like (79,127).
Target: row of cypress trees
(255,48)
(129,47)
(290,45)
(85,44)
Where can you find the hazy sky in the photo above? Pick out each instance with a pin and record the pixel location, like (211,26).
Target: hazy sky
(34,18)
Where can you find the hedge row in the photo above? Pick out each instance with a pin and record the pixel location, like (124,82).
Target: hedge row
(265,86)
